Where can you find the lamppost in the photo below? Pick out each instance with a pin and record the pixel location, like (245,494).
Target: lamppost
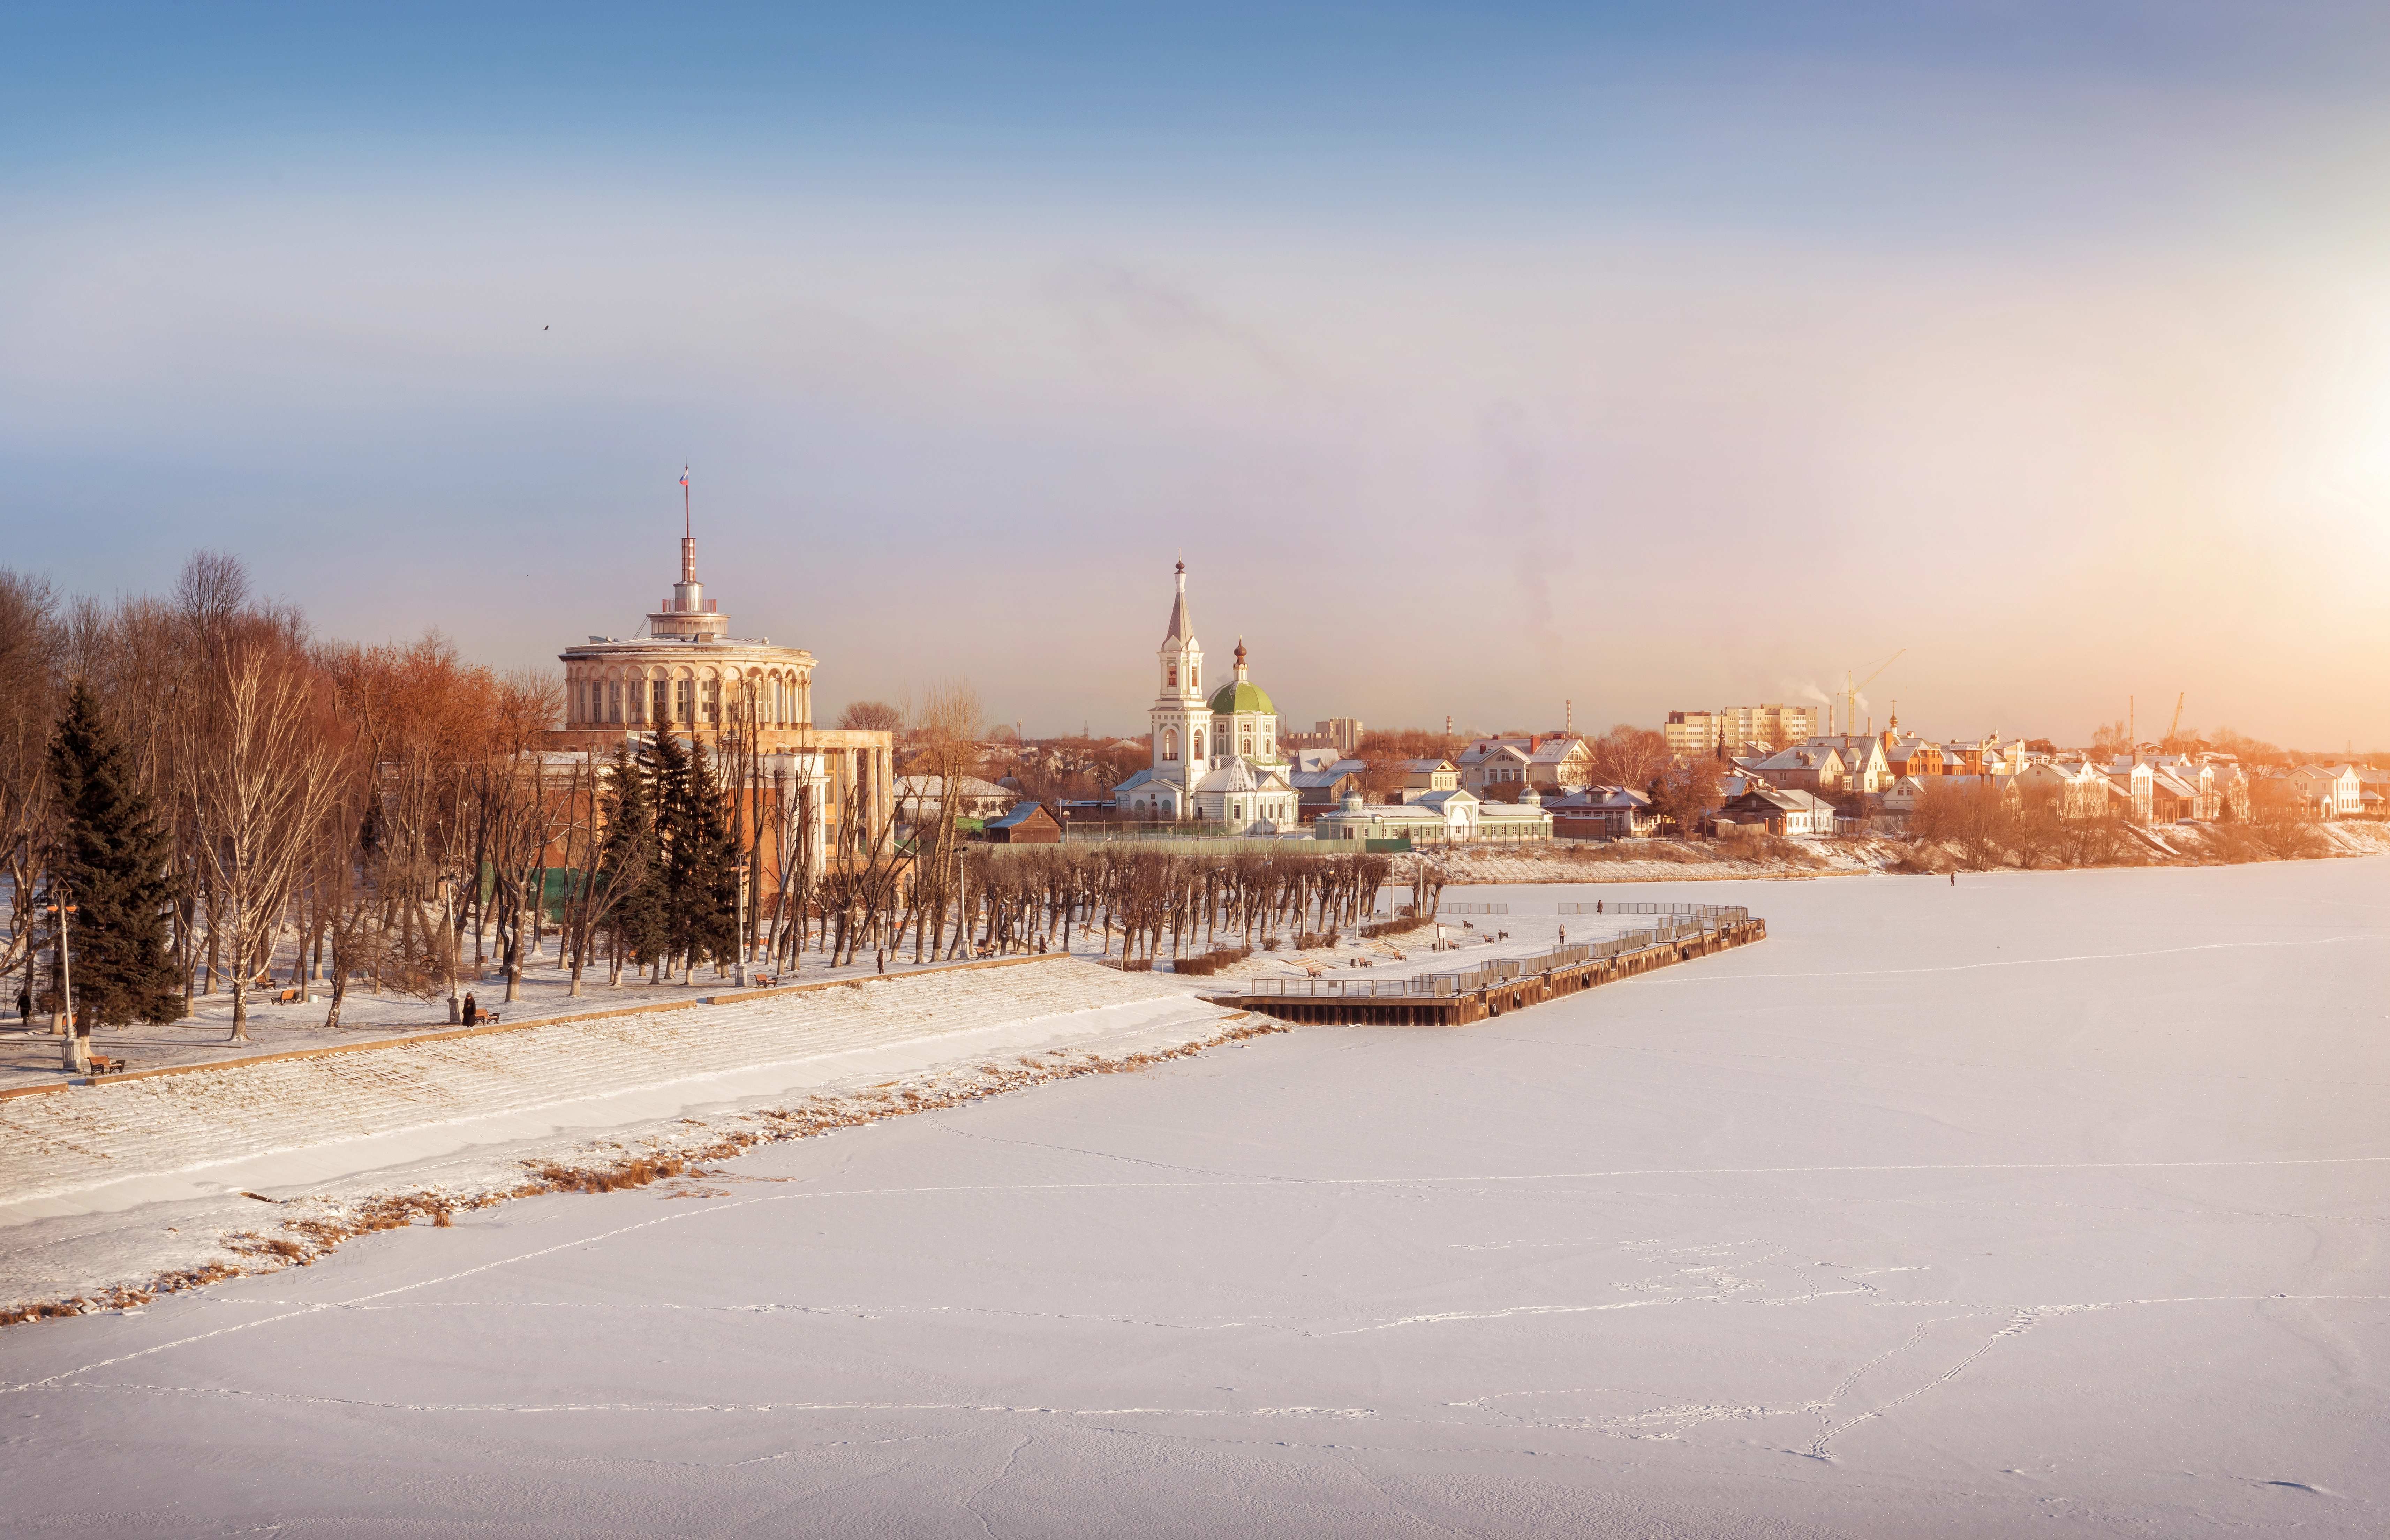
(78,1046)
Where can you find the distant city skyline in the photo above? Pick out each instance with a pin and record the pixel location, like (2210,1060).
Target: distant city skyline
(1474,364)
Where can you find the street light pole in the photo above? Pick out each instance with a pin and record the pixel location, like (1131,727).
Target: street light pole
(78,1046)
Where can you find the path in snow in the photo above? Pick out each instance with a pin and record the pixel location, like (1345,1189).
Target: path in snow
(1846,1234)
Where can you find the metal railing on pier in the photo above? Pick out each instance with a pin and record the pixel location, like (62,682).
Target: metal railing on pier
(1500,971)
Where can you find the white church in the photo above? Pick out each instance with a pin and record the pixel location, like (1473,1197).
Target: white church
(1215,758)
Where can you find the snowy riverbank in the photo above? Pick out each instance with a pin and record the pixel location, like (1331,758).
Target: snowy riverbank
(2044,1202)
(106,1190)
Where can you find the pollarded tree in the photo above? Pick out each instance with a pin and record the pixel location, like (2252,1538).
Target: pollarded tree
(111,860)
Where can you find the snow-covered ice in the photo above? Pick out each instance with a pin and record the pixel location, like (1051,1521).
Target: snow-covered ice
(2042,1202)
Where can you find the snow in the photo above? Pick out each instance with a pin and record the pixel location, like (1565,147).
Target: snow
(2045,1202)
(95,1176)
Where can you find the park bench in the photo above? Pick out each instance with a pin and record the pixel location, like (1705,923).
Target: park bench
(291,997)
(103,1065)
(765,981)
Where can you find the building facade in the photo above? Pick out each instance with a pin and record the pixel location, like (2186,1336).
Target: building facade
(748,700)
(1215,757)
(1692,735)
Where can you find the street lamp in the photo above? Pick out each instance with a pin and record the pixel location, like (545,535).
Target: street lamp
(78,1046)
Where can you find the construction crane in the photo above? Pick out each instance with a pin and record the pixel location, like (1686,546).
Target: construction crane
(1851,693)
(2176,731)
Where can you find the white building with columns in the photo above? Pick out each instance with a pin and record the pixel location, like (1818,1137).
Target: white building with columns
(689,676)
(1215,756)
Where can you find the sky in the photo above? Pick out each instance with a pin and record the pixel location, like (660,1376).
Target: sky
(1518,364)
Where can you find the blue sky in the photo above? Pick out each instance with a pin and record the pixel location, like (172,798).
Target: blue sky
(1476,360)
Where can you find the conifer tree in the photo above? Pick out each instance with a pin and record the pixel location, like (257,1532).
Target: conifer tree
(627,871)
(701,855)
(112,861)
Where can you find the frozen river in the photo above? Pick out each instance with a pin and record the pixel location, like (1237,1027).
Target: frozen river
(2049,1203)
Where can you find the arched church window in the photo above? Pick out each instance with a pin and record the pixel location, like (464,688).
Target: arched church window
(1199,743)
(1172,681)
(1169,743)
(1245,743)
(614,700)
(1194,677)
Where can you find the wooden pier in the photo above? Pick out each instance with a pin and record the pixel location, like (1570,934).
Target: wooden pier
(1451,1000)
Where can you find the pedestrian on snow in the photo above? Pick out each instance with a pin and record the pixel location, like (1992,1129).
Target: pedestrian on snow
(1954,880)
(25,1005)
(472,1012)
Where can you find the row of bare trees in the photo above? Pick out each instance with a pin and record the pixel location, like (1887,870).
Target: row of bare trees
(1128,899)
(352,812)
(1984,826)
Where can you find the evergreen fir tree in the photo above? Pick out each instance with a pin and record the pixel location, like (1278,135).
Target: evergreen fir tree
(111,860)
(700,854)
(626,866)
(715,918)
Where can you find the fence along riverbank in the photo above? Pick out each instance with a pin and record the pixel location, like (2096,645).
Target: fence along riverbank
(1683,931)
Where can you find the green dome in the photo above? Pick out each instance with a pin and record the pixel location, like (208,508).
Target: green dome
(1242,698)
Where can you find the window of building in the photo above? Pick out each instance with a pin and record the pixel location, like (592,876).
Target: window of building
(1171,682)
(614,700)
(684,700)
(1169,743)
(1198,740)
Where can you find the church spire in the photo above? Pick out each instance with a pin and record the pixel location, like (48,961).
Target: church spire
(1242,677)
(1182,629)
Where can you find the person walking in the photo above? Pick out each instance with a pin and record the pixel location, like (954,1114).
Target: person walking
(25,1005)
(1954,880)
(472,1012)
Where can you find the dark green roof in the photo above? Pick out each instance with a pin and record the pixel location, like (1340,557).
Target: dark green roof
(1242,698)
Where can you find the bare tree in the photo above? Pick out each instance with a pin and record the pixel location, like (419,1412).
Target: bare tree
(1629,756)
(29,679)
(259,769)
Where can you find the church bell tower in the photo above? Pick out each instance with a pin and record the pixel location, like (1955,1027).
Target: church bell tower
(1182,724)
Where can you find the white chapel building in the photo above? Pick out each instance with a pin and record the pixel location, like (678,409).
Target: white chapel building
(1215,757)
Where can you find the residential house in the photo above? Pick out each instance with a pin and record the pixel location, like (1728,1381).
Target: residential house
(1602,813)
(2131,790)
(2173,796)
(1788,812)
(2075,786)
(2337,787)
(1912,756)
(1803,767)
(1429,775)
(1494,762)
(1896,802)
(1324,790)
(1029,824)
(1559,763)
(1865,768)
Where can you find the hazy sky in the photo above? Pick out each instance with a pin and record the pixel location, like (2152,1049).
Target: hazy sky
(1474,358)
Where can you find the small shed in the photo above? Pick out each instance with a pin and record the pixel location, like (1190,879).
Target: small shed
(1028,824)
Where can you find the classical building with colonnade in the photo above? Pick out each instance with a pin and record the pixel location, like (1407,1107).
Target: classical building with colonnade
(749,701)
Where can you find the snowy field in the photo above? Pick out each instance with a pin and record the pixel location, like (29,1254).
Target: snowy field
(2041,1203)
